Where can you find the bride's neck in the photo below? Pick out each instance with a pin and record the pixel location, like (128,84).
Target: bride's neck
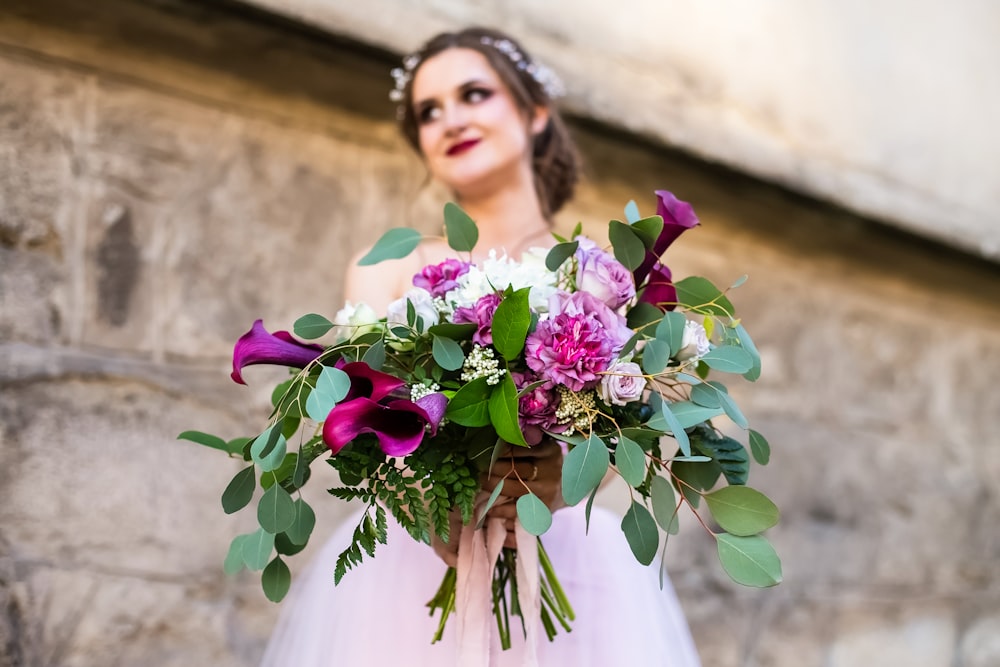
(507,218)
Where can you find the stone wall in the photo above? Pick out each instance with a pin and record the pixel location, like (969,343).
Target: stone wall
(171,171)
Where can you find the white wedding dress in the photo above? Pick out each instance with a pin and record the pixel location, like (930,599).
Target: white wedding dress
(377,615)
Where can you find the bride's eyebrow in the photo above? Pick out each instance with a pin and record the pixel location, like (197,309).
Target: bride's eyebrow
(471,83)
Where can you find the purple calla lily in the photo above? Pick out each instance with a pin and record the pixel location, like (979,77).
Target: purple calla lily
(678,217)
(257,346)
(399,425)
(660,290)
(366,382)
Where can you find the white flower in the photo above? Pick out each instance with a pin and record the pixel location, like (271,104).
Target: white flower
(694,344)
(423,305)
(622,383)
(352,320)
(497,273)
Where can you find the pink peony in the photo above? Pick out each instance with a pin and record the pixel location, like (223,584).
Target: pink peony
(536,409)
(439,279)
(481,314)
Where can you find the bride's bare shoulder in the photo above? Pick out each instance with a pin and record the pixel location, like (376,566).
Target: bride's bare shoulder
(380,284)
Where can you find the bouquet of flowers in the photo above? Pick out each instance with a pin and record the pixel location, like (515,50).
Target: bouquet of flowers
(597,348)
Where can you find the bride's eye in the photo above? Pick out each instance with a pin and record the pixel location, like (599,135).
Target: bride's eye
(476,95)
(428,113)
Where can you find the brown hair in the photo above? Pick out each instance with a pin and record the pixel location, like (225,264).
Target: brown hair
(555,162)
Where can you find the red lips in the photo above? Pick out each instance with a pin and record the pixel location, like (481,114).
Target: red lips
(462,147)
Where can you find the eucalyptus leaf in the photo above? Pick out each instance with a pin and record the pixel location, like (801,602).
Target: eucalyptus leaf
(728,359)
(533,514)
(583,469)
(489,503)
(670,330)
(511,323)
(655,356)
(280,390)
(447,353)
(213,441)
(750,561)
(663,500)
(740,510)
(676,429)
(394,244)
(641,315)
(631,211)
(692,478)
(257,548)
(281,473)
(630,345)
(334,382)
(240,490)
(276,510)
(649,230)
(739,281)
(630,461)
(276,579)
(760,448)
(374,356)
(269,457)
(319,404)
(559,254)
(234,557)
(285,546)
(706,395)
(641,533)
(453,331)
(238,445)
(503,407)
(754,373)
(587,510)
(303,523)
(733,411)
(700,295)
(461,230)
(470,405)
(311,326)
(627,245)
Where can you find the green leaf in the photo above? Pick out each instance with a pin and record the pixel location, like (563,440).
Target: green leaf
(234,558)
(334,382)
(642,314)
(631,211)
(281,389)
(630,461)
(559,254)
(587,510)
(285,546)
(489,503)
(511,322)
(640,532)
(655,356)
(707,395)
(447,353)
(750,561)
(670,330)
(648,229)
(533,514)
(469,406)
(460,229)
(257,548)
(661,496)
(238,445)
(503,405)
(698,477)
(627,245)
(374,356)
(240,490)
(728,359)
(281,473)
(730,455)
(303,523)
(276,579)
(760,448)
(268,450)
(688,414)
(311,326)
(676,429)
(754,373)
(276,510)
(318,405)
(453,331)
(700,295)
(740,510)
(733,411)
(394,244)
(206,439)
(739,281)
(583,469)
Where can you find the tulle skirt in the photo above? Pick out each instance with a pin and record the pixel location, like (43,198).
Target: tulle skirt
(377,614)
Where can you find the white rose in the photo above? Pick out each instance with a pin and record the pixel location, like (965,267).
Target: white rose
(423,305)
(622,383)
(694,344)
(352,320)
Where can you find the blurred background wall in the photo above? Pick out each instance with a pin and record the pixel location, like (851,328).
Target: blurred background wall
(172,170)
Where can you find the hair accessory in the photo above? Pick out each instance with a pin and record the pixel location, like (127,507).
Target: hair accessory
(545,77)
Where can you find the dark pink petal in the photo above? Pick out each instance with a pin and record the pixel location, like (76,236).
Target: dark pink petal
(678,217)
(257,346)
(369,383)
(434,405)
(399,426)
(660,290)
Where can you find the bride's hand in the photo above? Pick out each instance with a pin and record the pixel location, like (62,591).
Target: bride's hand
(538,469)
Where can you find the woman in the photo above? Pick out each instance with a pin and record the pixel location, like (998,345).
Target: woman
(478,110)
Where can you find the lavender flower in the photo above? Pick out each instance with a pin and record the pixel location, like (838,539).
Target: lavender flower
(481,314)
(599,273)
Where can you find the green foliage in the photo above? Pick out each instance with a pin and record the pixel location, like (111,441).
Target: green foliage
(648,230)
(470,405)
(754,373)
(742,511)
(670,330)
(533,514)
(239,491)
(729,454)
(642,315)
(447,353)
(453,331)
(268,450)
(655,356)
(461,230)
(630,461)
(503,407)
(627,244)
(692,478)
(760,448)
(311,326)
(374,356)
(394,244)
(206,439)
(640,532)
(664,502)
(750,561)
(559,254)
(728,359)
(276,579)
(631,212)
(234,557)
(700,295)
(302,524)
(276,510)
(510,323)
(257,548)
(583,469)
(733,411)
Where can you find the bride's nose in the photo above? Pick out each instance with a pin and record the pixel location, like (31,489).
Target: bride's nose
(455,118)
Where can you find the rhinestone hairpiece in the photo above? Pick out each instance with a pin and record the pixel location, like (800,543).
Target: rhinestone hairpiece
(545,77)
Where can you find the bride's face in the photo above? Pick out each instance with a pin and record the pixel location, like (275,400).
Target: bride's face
(472,133)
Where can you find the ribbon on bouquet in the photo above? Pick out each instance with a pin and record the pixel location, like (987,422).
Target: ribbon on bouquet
(478,550)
